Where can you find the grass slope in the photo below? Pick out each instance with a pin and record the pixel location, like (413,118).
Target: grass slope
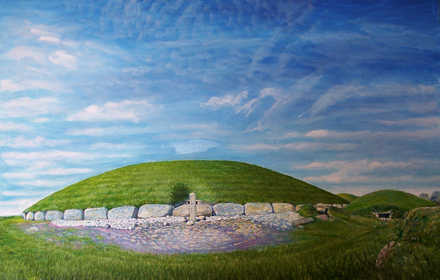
(385,200)
(171,182)
(347,196)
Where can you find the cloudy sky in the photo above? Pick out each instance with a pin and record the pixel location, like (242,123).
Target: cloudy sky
(342,95)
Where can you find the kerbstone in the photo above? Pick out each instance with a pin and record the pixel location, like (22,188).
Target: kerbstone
(30,216)
(74,214)
(228,209)
(39,216)
(154,210)
(257,208)
(95,213)
(183,211)
(123,212)
(54,215)
(23,215)
(282,207)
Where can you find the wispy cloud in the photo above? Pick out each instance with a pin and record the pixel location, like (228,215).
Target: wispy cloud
(191,146)
(10,126)
(22,52)
(21,142)
(128,110)
(63,59)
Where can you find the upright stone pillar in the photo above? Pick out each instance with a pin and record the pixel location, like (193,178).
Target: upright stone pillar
(192,207)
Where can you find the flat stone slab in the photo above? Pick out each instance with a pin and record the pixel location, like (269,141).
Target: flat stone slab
(282,207)
(154,210)
(30,216)
(123,212)
(74,214)
(39,216)
(228,209)
(95,213)
(202,210)
(54,215)
(257,208)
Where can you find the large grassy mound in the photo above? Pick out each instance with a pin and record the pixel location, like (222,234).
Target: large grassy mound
(347,196)
(171,182)
(386,200)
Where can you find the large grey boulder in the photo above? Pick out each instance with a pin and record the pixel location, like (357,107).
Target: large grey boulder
(95,213)
(73,214)
(282,207)
(30,216)
(154,210)
(23,215)
(228,209)
(54,215)
(424,196)
(435,197)
(257,208)
(202,210)
(39,216)
(123,212)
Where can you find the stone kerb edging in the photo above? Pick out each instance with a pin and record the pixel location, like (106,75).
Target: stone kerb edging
(163,210)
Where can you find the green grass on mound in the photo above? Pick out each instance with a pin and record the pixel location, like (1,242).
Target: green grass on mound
(421,225)
(386,200)
(347,196)
(171,182)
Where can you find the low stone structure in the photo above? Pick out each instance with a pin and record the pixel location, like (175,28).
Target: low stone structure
(95,213)
(257,208)
(73,214)
(282,207)
(54,215)
(39,216)
(123,212)
(228,209)
(154,210)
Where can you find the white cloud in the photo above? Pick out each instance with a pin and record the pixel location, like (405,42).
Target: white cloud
(423,122)
(6,126)
(18,175)
(228,100)
(19,53)
(40,120)
(15,193)
(128,110)
(65,171)
(49,39)
(63,59)
(49,155)
(27,107)
(368,135)
(293,146)
(8,85)
(21,142)
(12,208)
(192,146)
(43,183)
(87,131)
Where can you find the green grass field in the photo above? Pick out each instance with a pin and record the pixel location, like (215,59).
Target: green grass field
(385,200)
(171,182)
(347,196)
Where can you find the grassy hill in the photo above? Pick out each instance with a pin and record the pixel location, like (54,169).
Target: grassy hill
(347,196)
(385,200)
(171,182)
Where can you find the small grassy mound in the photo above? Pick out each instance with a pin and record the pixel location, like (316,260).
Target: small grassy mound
(421,225)
(386,200)
(171,182)
(347,196)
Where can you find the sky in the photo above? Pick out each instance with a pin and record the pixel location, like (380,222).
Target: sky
(341,94)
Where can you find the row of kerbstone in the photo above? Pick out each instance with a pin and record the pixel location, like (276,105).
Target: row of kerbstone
(162,210)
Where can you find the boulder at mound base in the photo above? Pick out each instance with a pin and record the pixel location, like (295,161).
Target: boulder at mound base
(54,215)
(202,210)
(23,215)
(39,216)
(282,207)
(73,214)
(123,212)
(228,209)
(154,210)
(257,208)
(95,213)
(30,216)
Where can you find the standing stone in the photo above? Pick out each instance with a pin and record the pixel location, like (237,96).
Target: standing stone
(95,213)
(24,215)
(257,208)
(54,215)
(154,210)
(228,209)
(123,212)
(282,207)
(30,216)
(73,214)
(39,216)
(192,207)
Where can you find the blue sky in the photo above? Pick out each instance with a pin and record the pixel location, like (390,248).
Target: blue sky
(342,95)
